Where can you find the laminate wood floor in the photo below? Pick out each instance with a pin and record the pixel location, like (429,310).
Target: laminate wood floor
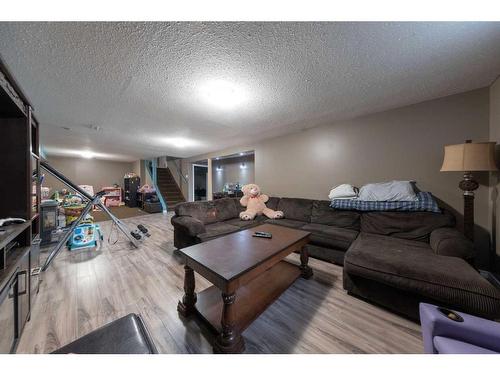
(86,289)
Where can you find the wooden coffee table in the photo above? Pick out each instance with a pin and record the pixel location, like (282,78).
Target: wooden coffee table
(247,273)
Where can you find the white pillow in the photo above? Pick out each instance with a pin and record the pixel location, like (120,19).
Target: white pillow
(388,191)
(344,191)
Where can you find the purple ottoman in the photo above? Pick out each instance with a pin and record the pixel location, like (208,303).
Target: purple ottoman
(448,332)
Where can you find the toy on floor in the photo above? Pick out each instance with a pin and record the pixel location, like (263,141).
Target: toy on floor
(85,236)
(73,206)
(146,189)
(255,202)
(59,195)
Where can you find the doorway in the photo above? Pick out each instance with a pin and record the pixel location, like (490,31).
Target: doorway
(231,172)
(200,176)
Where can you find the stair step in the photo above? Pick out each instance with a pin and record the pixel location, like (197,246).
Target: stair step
(168,187)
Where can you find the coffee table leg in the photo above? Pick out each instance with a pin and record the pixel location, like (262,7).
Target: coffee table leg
(230,339)
(186,306)
(307,271)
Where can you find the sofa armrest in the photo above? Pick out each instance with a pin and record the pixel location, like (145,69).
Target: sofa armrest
(451,242)
(191,225)
(470,329)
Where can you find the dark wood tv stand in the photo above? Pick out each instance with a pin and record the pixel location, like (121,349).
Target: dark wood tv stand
(19,198)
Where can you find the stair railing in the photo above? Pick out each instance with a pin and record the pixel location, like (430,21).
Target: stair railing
(182,178)
(152,168)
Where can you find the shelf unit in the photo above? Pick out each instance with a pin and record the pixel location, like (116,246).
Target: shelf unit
(20,197)
(142,197)
(113,196)
(130,186)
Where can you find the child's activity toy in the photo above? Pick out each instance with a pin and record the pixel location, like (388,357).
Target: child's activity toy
(85,236)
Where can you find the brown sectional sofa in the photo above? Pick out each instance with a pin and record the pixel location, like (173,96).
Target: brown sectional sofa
(395,259)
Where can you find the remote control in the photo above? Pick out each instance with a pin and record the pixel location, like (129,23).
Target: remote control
(11,220)
(262,235)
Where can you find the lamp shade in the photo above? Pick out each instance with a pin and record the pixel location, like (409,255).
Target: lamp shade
(468,157)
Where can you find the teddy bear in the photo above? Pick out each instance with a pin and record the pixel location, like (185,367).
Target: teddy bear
(255,202)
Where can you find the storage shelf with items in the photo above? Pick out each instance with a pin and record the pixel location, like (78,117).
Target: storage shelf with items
(147,200)
(131,184)
(20,199)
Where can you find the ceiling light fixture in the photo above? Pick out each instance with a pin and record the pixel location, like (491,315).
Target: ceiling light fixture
(181,142)
(222,94)
(87,154)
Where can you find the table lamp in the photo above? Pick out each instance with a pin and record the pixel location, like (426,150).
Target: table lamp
(469,157)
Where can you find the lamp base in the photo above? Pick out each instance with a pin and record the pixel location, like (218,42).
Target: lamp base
(468,185)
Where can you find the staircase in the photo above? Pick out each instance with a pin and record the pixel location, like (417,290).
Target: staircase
(168,188)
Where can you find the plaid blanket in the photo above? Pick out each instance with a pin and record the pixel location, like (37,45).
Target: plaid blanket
(424,202)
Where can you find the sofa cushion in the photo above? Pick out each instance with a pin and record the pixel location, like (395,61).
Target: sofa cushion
(296,208)
(328,236)
(412,266)
(407,225)
(216,230)
(326,253)
(225,209)
(204,211)
(244,224)
(322,213)
(451,242)
(272,203)
(287,223)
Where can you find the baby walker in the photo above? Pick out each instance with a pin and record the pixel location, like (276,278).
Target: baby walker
(85,236)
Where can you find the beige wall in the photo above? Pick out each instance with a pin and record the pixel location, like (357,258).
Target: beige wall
(495,136)
(143,173)
(139,168)
(231,171)
(98,173)
(136,167)
(404,143)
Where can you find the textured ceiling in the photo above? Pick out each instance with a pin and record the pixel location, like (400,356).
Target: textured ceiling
(122,89)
